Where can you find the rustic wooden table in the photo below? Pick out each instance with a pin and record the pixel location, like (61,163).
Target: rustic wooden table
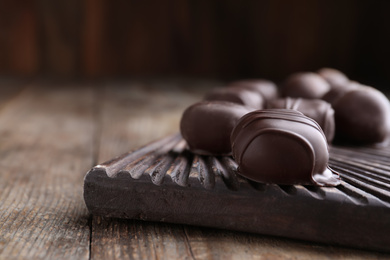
(51,134)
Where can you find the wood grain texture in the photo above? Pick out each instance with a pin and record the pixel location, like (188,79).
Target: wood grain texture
(46,145)
(131,114)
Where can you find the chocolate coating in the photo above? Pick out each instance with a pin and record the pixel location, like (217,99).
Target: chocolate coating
(305,85)
(207,125)
(333,76)
(317,109)
(362,114)
(240,96)
(282,146)
(266,88)
(338,91)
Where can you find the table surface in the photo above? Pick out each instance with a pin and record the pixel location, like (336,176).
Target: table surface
(52,133)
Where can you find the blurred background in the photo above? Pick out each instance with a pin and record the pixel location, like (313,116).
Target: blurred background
(223,39)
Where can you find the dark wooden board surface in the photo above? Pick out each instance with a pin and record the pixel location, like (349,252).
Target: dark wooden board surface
(165,182)
(52,134)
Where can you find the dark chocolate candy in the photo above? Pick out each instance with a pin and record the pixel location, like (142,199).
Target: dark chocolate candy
(339,90)
(305,85)
(282,146)
(207,125)
(362,114)
(240,96)
(317,109)
(333,76)
(266,88)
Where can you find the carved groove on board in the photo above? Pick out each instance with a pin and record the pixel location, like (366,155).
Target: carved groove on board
(365,175)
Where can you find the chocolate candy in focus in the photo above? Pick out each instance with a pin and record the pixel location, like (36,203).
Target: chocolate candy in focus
(333,76)
(267,89)
(282,146)
(241,96)
(362,114)
(317,109)
(207,125)
(305,85)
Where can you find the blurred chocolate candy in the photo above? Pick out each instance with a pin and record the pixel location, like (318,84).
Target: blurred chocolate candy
(305,85)
(267,89)
(207,125)
(333,76)
(240,96)
(339,90)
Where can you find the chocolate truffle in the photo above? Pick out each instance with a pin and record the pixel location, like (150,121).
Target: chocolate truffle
(333,76)
(282,146)
(317,109)
(305,85)
(267,89)
(338,91)
(207,125)
(362,114)
(240,96)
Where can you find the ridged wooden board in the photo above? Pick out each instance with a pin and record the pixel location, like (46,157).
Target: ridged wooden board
(164,182)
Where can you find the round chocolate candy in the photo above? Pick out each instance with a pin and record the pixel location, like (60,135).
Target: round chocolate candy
(338,91)
(282,146)
(333,76)
(305,85)
(207,125)
(362,114)
(317,109)
(241,96)
(267,89)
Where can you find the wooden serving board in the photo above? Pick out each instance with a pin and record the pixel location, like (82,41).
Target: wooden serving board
(165,182)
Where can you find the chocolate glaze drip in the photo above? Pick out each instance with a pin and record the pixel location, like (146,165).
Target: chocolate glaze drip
(282,146)
(318,110)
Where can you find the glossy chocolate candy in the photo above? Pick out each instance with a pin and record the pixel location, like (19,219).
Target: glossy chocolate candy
(245,97)
(317,109)
(305,85)
(282,146)
(207,125)
(362,114)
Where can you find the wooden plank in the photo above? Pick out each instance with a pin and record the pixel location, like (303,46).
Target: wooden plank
(128,239)
(208,243)
(133,114)
(46,146)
